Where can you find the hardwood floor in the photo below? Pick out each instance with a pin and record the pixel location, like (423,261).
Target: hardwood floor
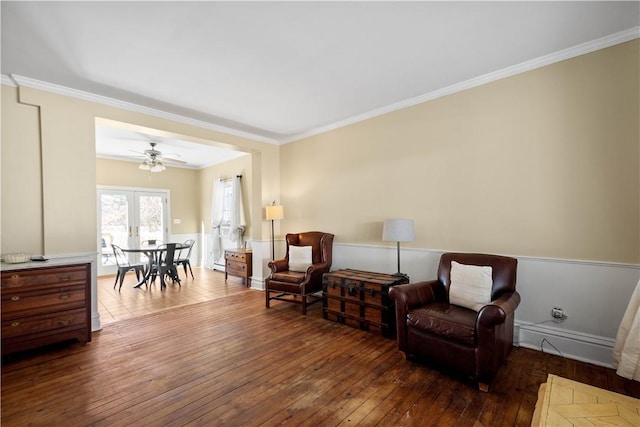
(114,305)
(230,361)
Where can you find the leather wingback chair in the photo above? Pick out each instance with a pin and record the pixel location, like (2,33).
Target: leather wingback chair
(295,286)
(463,341)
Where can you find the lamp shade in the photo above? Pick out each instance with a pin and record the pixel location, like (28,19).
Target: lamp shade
(398,230)
(274,212)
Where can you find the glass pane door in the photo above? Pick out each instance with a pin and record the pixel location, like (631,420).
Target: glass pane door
(150,210)
(126,218)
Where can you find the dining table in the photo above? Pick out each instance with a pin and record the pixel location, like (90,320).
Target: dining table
(153,254)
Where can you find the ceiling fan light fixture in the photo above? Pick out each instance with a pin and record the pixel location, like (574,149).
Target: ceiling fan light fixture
(157,167)
(144,166)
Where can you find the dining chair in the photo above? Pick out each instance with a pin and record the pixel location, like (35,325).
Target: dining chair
(184,256)
(166,265)
(124,265)
(105,248)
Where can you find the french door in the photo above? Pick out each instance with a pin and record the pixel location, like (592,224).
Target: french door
(128,217)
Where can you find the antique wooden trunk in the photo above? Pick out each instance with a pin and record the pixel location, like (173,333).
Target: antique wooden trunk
(361,299)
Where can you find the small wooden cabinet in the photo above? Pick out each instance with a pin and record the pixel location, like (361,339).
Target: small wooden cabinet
(45,305)
(238,263)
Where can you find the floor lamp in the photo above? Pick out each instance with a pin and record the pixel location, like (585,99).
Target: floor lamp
(398,230)
(273,213)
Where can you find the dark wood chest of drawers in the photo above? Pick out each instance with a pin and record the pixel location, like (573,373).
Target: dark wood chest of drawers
(45,305)
(360,299)
(238,263)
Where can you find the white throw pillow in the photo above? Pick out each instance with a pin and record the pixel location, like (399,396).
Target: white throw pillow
(470,285)
(300,258)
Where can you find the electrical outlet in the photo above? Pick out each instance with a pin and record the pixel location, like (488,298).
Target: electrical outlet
(558,314)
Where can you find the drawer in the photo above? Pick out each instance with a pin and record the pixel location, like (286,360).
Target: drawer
(72,319)
(235,267)
(44,276)
(17,302)
(236,256)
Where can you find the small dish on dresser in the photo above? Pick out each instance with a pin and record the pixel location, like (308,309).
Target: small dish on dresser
(16,258)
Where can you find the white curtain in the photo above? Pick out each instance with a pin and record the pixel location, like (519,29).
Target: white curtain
(626,352)
(217,200)
(238,222)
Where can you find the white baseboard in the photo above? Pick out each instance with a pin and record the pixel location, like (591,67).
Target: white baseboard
(575,345)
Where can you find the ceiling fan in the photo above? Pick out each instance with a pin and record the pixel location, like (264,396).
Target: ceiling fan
(154,160)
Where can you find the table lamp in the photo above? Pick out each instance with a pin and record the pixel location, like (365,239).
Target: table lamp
(398,230)
(274,212)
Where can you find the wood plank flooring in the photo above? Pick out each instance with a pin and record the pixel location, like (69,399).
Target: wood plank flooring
(114,305)
(230,361)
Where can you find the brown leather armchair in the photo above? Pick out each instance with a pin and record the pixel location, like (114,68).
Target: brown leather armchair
(463,341)
(286,285)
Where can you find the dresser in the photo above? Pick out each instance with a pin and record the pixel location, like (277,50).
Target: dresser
(361,299)
(238,263)
(45,304)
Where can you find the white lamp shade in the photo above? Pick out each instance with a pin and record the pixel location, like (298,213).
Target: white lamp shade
(157,167)
(398,230)
(275,212)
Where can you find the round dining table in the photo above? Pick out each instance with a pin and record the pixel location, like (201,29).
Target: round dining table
(152,252)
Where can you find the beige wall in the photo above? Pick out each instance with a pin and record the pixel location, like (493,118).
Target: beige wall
(190,189)
(545,163)
(49,171)
(183,185)
(21,179)
(239,166)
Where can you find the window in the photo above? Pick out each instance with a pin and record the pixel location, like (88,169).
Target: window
(226,202)
(226,206)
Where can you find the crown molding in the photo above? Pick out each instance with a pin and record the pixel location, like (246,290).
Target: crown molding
(562,55)
(8,81)
(21,81)
(572,52)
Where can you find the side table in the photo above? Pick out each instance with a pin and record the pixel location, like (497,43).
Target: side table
(238,263)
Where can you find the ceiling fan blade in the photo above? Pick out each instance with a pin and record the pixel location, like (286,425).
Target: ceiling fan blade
(170,160)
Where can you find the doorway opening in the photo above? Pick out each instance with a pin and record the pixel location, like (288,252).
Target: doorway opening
(127,217)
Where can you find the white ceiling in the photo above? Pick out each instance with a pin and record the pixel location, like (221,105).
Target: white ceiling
(123,142)
(282,70)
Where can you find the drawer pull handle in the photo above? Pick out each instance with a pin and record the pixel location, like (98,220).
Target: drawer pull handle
(15,324)
(352,290)
(64,322)
(65,278)
(15,298)
(15,276)
(65,296)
